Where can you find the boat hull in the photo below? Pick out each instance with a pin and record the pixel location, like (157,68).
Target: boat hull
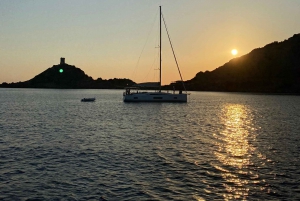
(88,99)
(155,97)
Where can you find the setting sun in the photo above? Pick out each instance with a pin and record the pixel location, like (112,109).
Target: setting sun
(234,52)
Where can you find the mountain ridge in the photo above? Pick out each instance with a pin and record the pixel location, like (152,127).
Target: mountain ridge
(274,68)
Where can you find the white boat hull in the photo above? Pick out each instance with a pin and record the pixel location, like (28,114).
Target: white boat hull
(154,97)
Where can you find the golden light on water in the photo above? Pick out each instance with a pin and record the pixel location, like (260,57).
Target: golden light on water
(234,150)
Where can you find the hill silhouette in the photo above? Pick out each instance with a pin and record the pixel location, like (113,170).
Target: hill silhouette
(275,68)
(65,76)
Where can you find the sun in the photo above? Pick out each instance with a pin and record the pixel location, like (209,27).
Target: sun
(234,52)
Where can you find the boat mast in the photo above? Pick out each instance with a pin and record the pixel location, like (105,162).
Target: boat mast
(159,48)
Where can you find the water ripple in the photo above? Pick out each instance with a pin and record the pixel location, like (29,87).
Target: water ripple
(218,146)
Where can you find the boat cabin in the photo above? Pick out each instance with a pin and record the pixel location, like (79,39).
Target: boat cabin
(129,89)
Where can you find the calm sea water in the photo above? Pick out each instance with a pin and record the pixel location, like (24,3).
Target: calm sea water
(218,146)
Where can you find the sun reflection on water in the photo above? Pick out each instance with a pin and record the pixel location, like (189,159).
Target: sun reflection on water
(234,151)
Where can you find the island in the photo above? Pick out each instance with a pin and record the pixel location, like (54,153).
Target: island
(65,76)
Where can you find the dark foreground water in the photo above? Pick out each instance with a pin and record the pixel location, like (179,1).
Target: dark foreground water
(218,146)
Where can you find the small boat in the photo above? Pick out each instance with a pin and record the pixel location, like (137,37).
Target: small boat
(132,94)
(88,99)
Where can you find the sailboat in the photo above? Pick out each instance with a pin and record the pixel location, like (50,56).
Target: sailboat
(132,94)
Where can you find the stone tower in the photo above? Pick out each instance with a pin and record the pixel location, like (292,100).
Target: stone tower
(62,60)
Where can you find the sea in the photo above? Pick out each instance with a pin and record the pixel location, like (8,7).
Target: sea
(217,146)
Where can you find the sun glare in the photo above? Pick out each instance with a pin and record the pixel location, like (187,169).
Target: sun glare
(234,52)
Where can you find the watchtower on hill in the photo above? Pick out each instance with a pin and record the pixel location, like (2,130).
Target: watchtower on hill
(62,61)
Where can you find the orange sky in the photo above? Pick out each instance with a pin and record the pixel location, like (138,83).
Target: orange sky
(117,38)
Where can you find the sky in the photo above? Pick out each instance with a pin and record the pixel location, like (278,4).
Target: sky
(119,38)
